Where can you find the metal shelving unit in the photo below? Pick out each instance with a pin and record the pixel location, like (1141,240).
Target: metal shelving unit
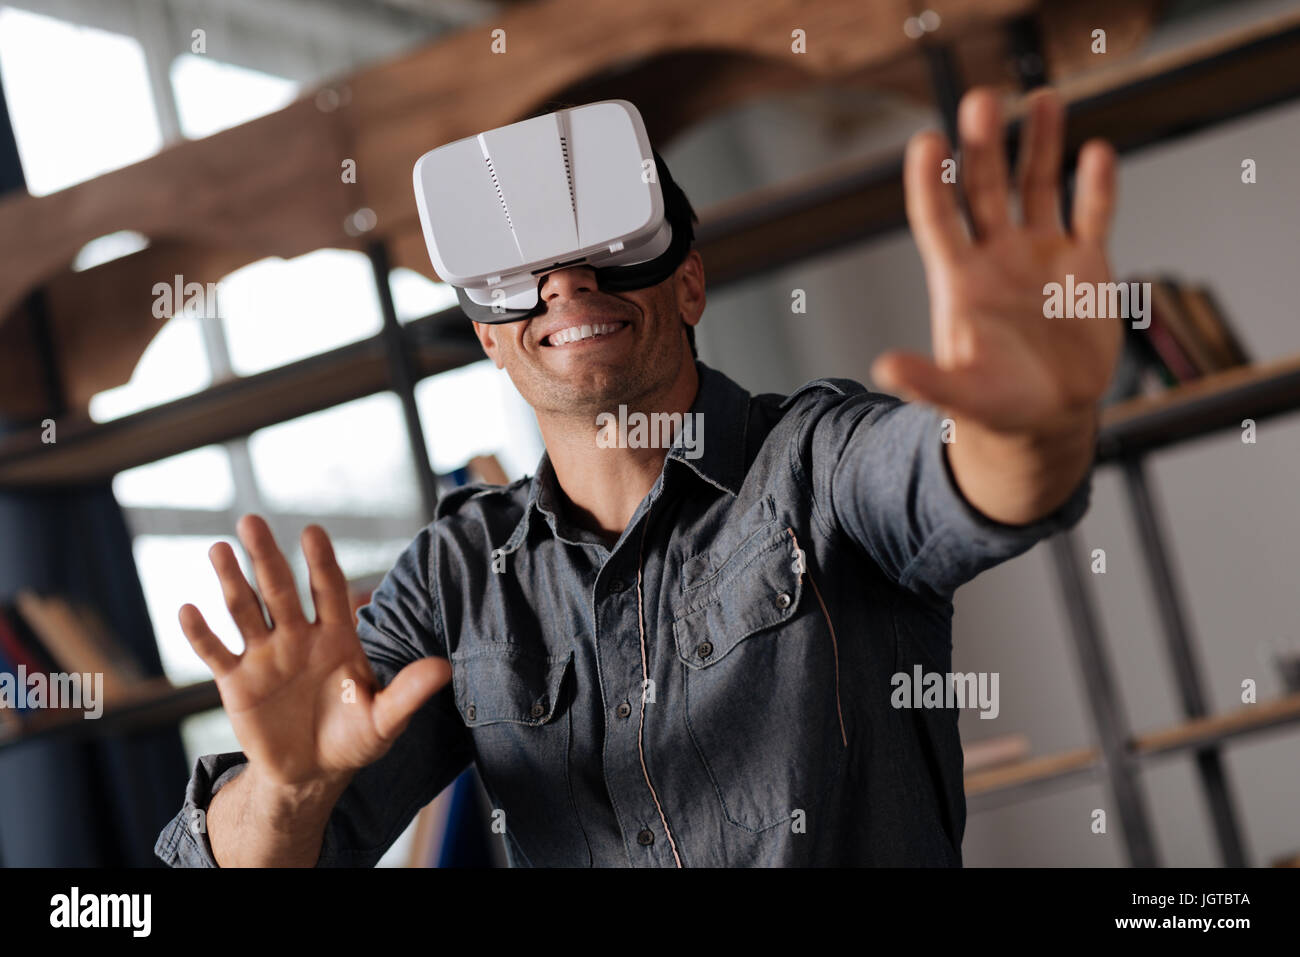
(1134,429)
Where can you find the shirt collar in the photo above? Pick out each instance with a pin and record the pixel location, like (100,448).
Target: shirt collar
(723,407)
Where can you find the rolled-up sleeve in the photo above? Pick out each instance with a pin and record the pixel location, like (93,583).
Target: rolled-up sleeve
(889,486)
(400,624)
(184,841)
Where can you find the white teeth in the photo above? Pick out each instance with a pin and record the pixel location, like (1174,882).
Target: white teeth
(574,333)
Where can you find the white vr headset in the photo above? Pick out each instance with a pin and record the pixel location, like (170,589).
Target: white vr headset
(577,186)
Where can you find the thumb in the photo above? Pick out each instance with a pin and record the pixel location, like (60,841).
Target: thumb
(415,684)
(915,377)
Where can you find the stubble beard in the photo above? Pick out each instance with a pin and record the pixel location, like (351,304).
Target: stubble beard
(648,373)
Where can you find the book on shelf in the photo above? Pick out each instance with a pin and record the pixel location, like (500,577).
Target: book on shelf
(1202,305)
(21,643)
(50,635)
(1167,308)
(1188,334)
(19,653)
(78,640)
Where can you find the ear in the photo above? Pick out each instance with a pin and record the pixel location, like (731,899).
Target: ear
(690,288)
(486,333)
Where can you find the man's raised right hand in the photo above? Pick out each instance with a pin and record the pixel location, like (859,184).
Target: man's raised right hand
(302,697)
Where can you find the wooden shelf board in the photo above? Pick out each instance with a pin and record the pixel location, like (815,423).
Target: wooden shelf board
(87,451)
(1133,104)
(1206,731)
(148,705)
(1219,400)
(1184,736)
(1032,771)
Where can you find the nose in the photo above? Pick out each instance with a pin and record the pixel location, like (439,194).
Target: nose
(567,282)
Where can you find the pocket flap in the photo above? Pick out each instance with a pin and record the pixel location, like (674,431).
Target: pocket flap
(507,684)
(756,588)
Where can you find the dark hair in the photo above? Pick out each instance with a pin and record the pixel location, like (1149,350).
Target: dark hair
(681,216)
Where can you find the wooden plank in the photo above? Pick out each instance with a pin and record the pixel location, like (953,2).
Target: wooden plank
(1125,71)
(1216,401)
(1187,89)
(737,242)
(273,186)
(1186,735)
(269,187)
(1065,32)
(1204,731)
(994,752)
(88,451)
(94,356)
(1032,771)
(149,705)
(1137,104)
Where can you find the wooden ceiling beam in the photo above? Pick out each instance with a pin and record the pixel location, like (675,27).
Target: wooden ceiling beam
(274,186)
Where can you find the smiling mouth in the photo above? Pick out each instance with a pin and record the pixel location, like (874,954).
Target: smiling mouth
(583,333)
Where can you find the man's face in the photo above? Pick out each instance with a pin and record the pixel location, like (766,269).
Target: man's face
(633,348)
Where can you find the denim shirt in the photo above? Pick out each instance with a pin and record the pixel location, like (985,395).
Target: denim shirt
(713,690)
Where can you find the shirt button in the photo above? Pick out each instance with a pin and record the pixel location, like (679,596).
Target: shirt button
(783,600)
(538,710)
(469,712)
(623,710)
(646,837)
(616,586)
(704,649)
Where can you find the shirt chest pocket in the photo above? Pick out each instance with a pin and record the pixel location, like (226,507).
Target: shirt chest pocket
(517,706)
(760,679)
(508,684)
(755,587)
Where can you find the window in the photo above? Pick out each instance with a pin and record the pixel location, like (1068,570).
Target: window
(277,311)
(415,297)
(173,365)
(79,99)
(212,96)
(107,248)
(353,459)
(476,410)
(199,479)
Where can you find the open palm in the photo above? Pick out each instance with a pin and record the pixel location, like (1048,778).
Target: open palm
(997,360)
(302,698)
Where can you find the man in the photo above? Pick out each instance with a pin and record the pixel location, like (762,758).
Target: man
(676,657)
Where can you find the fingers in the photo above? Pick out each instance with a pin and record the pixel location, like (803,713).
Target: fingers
(984,175)
(984,161)
(240,598)
(932,209)
(329,586)
(1094,192)
(406,693)
(206,645)
(915,378)
(1039,166)
(274,577)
